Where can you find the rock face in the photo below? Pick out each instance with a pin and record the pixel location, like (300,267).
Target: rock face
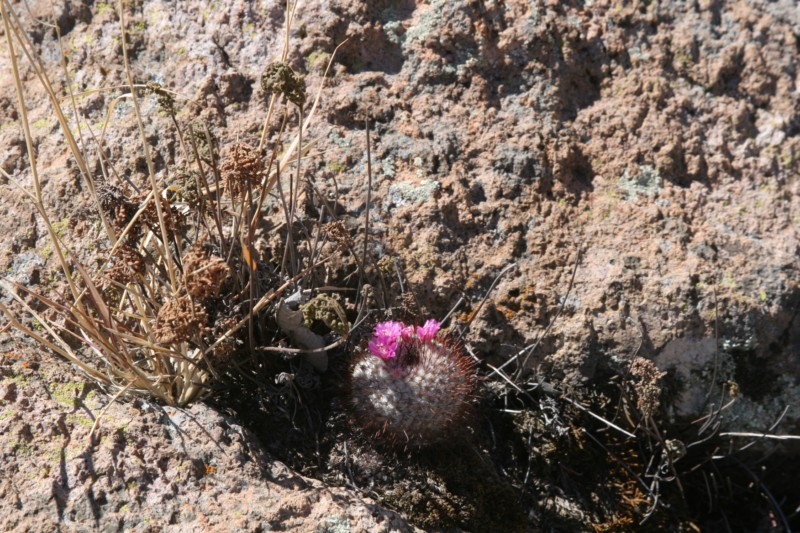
(147,469)
(656,145)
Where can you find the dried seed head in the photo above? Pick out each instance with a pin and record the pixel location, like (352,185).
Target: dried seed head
(205,272)
(128,266)
(280,78)
(173,218)
(338,233)
(225,350)
(120,211)
(645,375)
(178,320)
(242,170)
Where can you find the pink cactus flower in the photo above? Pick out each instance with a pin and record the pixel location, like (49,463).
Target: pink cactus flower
(429,330)
(388,335)
(385,338)
(408,333)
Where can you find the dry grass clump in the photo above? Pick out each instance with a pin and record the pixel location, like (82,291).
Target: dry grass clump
(180,286)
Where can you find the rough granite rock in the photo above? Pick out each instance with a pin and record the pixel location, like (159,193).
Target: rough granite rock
(148,469)
(656,144)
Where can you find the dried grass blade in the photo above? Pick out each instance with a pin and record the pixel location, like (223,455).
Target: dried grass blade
(62,348)
(97,299)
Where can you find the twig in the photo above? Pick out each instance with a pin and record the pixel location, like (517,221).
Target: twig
(668,456)
(771,428)
(168,259)
(716,351)
(105,408)
(281,349)
(598,417)
(759,435)
(366,210)
(267,298)
(568,400)
(453,309)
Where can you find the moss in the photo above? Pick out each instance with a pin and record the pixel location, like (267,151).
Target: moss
(51,277)
(22,448)
(317,58)
(63,394)
(334,166)
(80,420)
(728,281)
(81,41)
(20,380)
(53,455)
(67,393)
(60,227)
(327,309)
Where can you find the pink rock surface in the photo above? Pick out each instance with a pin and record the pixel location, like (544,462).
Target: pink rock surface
(655,142)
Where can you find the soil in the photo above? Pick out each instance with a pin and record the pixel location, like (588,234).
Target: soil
(602,198)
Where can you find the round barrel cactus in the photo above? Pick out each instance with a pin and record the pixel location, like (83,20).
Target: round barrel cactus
(412,386)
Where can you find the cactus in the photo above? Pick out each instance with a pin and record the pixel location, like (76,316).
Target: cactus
(412,386)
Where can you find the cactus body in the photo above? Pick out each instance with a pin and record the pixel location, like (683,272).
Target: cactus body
(416,392)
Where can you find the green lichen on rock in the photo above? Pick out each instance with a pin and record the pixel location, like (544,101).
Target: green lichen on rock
(405,193)
(328,310)
(69,393)
(647,182)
